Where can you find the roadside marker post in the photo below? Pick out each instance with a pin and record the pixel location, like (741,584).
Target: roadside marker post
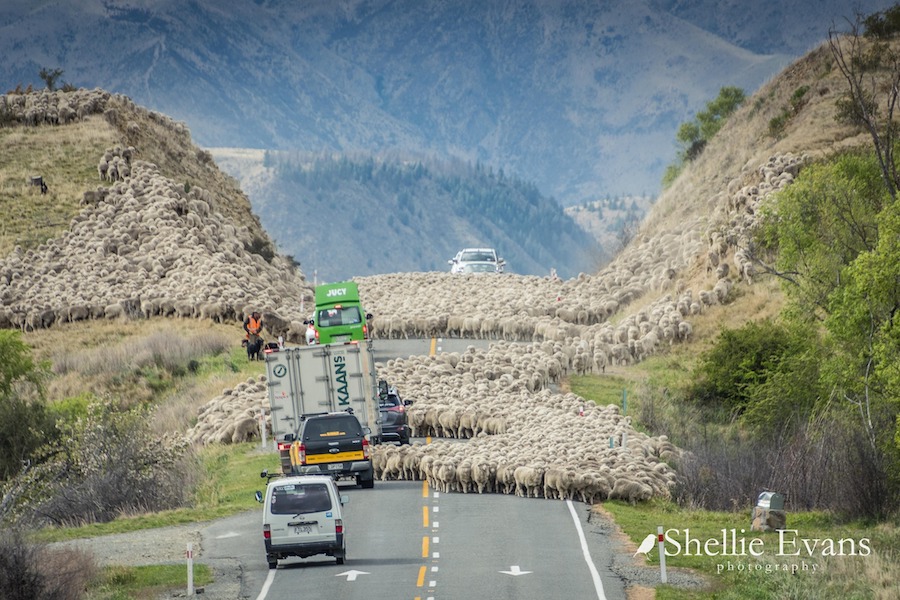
(190,569)
(662,555)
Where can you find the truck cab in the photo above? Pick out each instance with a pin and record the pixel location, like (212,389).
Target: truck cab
(339,315)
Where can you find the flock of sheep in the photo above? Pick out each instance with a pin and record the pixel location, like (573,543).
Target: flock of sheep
(520,437)
(143,247)
(52,108)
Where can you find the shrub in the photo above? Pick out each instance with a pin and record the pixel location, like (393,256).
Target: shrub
(30,571)
(105,465)
(824,464)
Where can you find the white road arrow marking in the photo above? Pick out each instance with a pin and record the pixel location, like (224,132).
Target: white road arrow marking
(515,571)
(352,575)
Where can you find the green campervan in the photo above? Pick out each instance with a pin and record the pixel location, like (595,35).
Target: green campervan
(339,315)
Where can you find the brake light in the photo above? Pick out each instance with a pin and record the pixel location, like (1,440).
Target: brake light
(365,448)
(282,446)
(338,526)
(301,454)
(267,532)
(365,330)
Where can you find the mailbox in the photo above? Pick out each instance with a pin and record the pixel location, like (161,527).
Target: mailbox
(770,500)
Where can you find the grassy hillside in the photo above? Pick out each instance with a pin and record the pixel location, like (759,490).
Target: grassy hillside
(67,156)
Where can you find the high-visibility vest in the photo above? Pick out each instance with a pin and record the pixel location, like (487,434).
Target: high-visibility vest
(254,325)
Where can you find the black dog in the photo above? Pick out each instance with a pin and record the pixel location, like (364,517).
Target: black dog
(254,347)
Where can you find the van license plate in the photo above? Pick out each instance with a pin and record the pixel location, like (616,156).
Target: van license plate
(303,529)
(335,466)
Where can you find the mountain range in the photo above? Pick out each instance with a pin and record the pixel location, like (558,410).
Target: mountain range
(581,98)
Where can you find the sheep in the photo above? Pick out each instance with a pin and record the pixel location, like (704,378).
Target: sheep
(529,481)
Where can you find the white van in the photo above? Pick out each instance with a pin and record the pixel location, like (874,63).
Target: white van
(302,517)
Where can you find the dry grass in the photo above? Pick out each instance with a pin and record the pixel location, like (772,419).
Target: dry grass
(121,358)
(878,573)
(66,157)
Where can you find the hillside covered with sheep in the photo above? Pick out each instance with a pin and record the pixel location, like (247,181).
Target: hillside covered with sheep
(140,235)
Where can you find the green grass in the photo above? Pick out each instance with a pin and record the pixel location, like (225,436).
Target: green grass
(603,390)
(127,583)
(764,577)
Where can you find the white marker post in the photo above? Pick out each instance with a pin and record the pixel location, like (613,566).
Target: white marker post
(190,566)
(662,555)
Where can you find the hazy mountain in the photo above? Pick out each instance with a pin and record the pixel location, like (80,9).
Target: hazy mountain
(345,217)
(580,97)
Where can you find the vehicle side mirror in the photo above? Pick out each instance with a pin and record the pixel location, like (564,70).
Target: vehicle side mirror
(264,473)
(369,316)
(345,498)
(407,402)
(259,496)
(451,261)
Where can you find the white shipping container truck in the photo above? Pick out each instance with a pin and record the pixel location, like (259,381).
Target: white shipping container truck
(306,380)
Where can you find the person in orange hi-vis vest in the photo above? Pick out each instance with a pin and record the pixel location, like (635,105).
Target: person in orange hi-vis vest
(253,325)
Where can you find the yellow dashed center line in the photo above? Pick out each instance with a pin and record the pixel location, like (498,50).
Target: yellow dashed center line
(433,347)
(421,579)
(425,547)
(424,516)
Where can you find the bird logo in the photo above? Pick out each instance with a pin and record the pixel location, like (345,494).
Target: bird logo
(647,545)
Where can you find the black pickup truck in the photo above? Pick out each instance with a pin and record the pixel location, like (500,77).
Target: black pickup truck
(333,444)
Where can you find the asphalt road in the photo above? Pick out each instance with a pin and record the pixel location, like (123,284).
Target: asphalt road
(406,541)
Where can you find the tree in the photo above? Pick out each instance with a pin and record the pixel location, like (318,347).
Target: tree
(693,136)
(865,333)
(872,70)
(820,224)
(50,77)
(25,423)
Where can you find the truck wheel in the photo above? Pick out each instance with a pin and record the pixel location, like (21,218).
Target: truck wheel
(366,484)
(339,557)
(273,562)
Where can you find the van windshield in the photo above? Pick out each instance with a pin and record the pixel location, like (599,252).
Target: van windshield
(297,499)
(332,317)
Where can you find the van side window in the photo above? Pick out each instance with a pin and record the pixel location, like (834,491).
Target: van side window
(298,499)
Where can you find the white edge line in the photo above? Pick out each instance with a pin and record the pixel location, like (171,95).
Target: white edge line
(598,584)
(265,588)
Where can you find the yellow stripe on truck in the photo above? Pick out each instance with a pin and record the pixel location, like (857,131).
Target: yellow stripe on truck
(315,459)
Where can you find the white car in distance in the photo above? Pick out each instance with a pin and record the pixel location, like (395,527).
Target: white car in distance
(476,260)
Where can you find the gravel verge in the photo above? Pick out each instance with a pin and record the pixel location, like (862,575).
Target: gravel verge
(163,545)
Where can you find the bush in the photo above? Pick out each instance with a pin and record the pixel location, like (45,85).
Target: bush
(106,465)
(24,422)
(31,571)
(825,464)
